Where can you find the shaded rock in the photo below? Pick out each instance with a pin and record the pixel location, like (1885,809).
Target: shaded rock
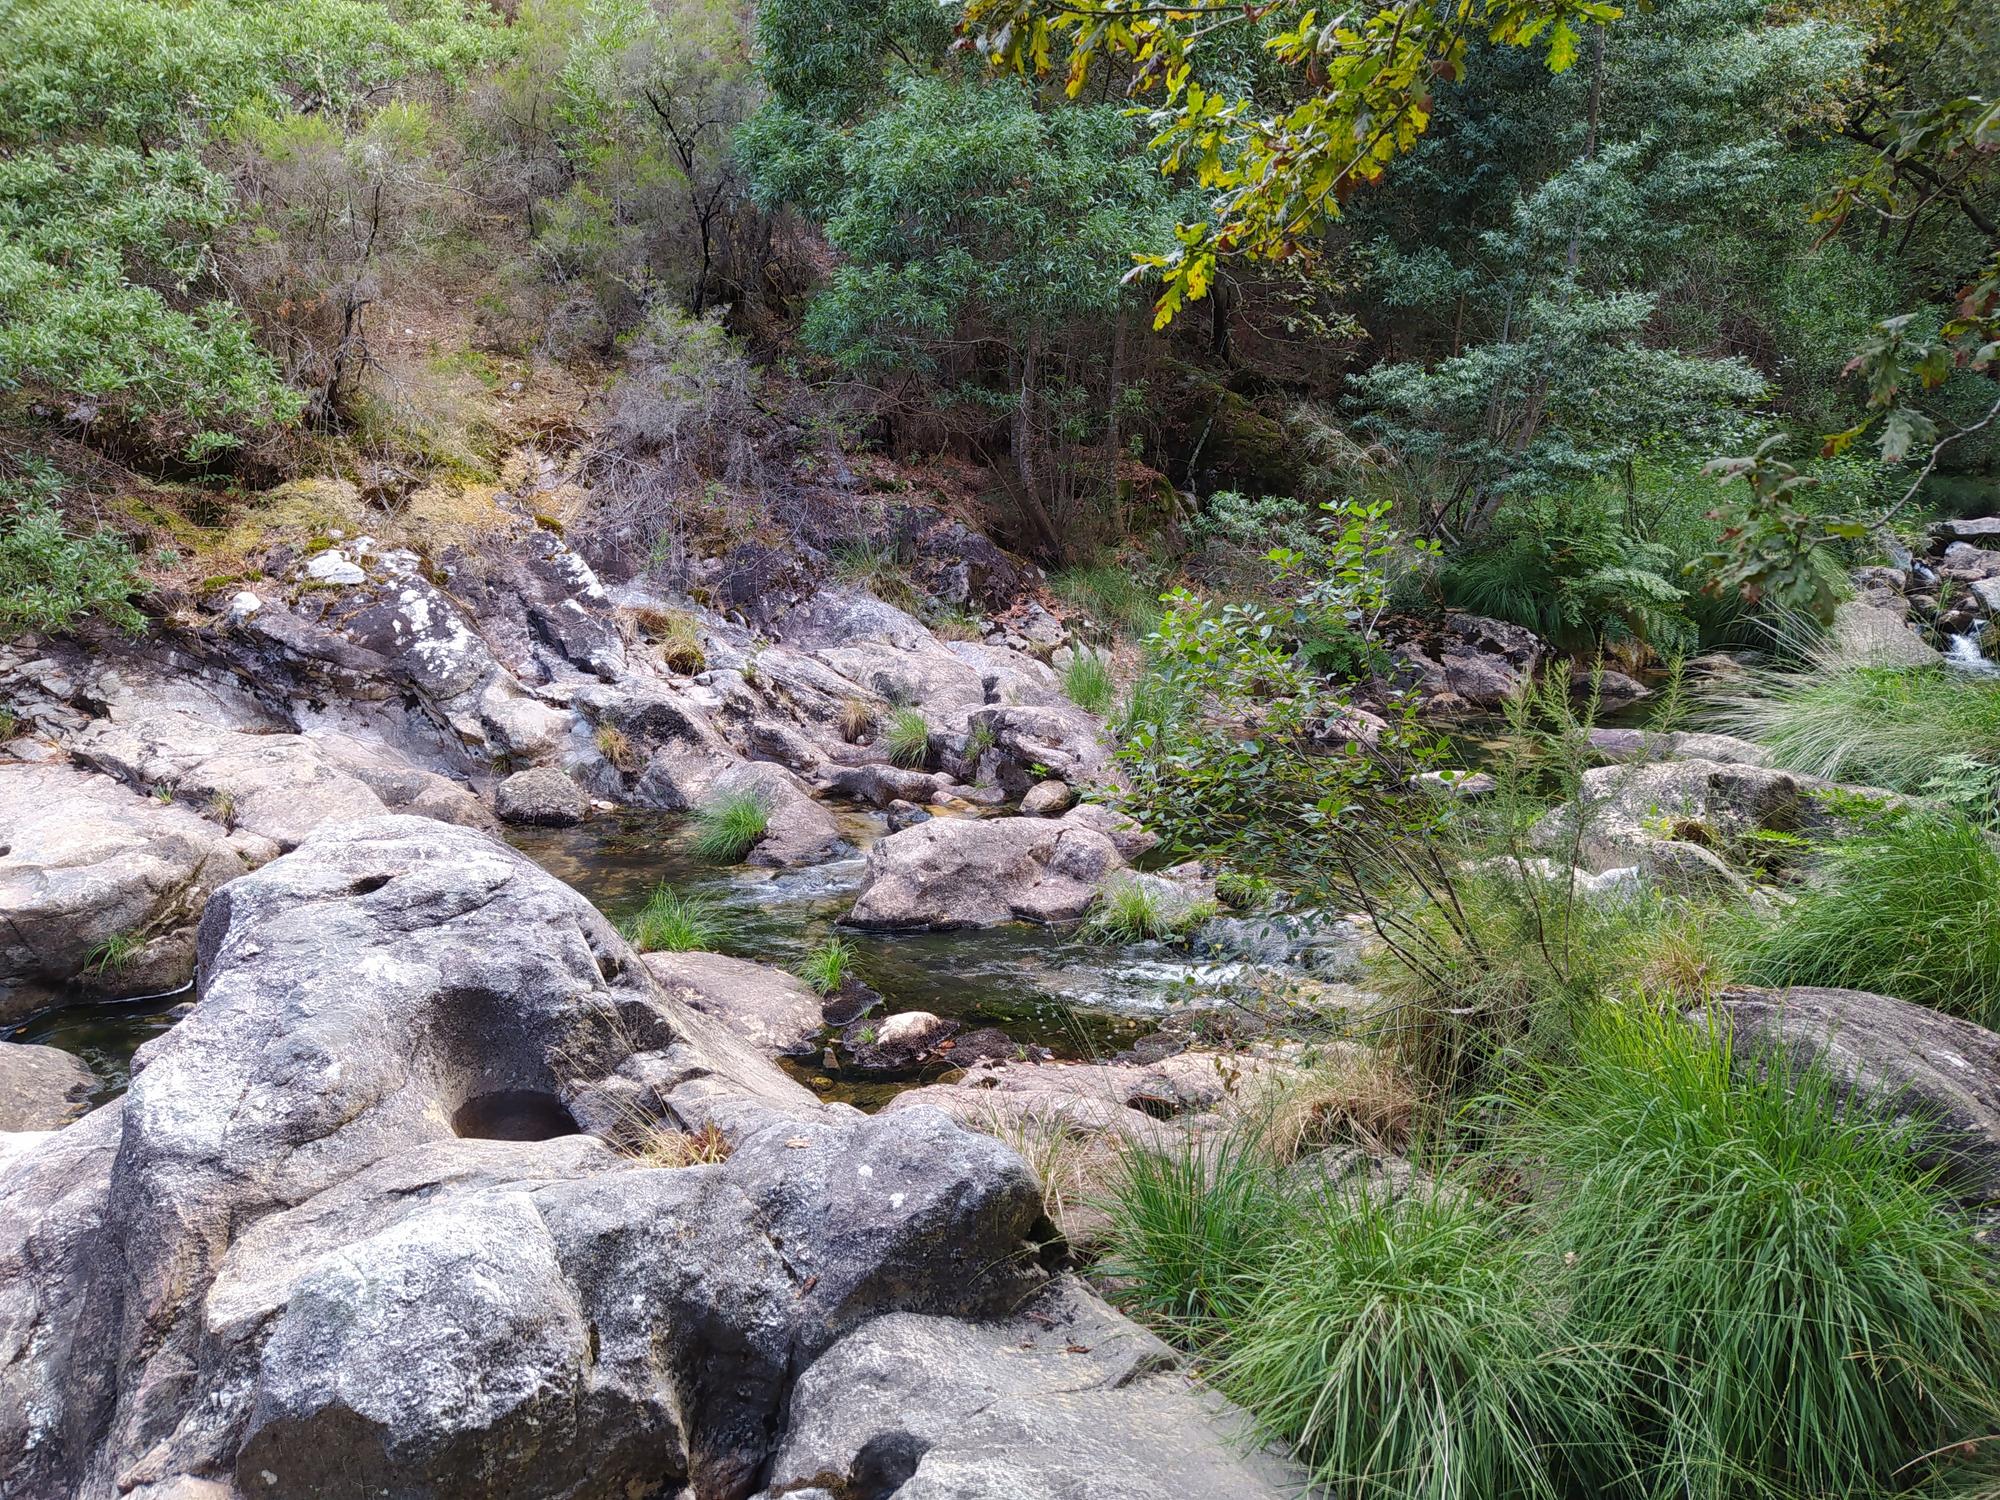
(86,863)
(977,872)
(1053,742)
(543,796)
(1624,808)
(42,1088)
(1644,744)
(1610,686)
(1980,531)
(1906,1060)
(775,1012)
(879,785)
(927,1409)
(1470,659)
(1047,799)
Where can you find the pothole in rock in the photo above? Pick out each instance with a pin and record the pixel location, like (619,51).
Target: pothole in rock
(513,1115)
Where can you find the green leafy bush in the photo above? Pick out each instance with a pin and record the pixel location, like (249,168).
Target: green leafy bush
(1912,911)
(1087,681)
(670,922)
(728,826)
(49,578)
(1804,1314)
(907,739)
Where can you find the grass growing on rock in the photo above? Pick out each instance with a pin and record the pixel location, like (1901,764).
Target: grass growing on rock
(1884,726)
(671,922)
(1133,911)
(1087,681)
(1913,912)
(827,966)
(728,826)
(907,739)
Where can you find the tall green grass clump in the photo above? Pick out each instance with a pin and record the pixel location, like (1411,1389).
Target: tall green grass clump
(670,922)
(826,967)
(728,827)
(1115,596)
(1803,1313)
(907,738)
(1416,1347)
(1087,681)
(1885,726)
(1913,911)
(1134,911)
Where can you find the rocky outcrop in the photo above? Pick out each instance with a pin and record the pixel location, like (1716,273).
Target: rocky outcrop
(377,1216)
(1468,661)
(931,1409)
(42,1088)
(1905,1060)
(775,1012)
(1031,744)
(98,885)
(543,796)
(1872,635)
(979,872)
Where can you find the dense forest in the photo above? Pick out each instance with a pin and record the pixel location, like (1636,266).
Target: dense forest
(1515,484)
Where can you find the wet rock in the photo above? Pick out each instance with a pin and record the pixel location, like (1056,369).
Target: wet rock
(1906,1060)
(1047,799)
(543,796)
(879,785)
(99,884)
(979,872)
(370,1235)
(905,815)
(896,1044)
(928,1409)
(849,1002)
(989,1044)
(42,1088)
(1324,943)
(1610,687)
(775,1012)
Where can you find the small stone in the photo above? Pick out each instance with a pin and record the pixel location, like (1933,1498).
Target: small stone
(332,567)
(1047,799)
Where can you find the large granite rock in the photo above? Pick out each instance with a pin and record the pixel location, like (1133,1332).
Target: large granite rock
(85,864)
(1036,744)
(1872,635)
(378,1216)
(1469,661)
(1065,1400)
(979,872)
(1906,1060)
(775,1012)
(543,796)
(42,1088)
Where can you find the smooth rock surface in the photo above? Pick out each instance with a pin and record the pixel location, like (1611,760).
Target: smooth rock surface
(42,1088)
(775,1012)
(543,796)
(978,872)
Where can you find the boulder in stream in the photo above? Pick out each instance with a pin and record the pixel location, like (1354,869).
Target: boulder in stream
(980,872)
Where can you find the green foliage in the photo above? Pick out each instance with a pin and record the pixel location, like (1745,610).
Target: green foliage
(1132,911)
(907,739)
(1087,680)
(728,826)
(50,578)
(1415,1347)
(1243,892)
(1833,716)
(826,967)
(113,955)
(670,922)
(1912,911)
(1121,597)
(1804,1316)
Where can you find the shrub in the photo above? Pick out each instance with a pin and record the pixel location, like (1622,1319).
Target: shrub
(1087,680)
(826,966)
(1806,1316)
(1913,911)
(1887,726)
(1415,1348)
(907,738)
(1132,911)
(51,579)
(670,922)
(728,826)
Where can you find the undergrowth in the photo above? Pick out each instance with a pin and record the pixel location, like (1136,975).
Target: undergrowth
(728,826)
(671,922)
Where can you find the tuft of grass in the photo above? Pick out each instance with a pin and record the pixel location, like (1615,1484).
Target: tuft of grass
(670,922)
(954,623)
(728,827)
(1803,1313)
(864,565)
(114,954)
(1119,597)
(1087,681)
(222,806)
(1886,726)
(1413,1347)
(662,1147)
(1911,911)
(676,634)
(978,740)
(856,719)
(1132,911)
(907,738)
(827,965)
(1240,891)
(615,748)
(10,726)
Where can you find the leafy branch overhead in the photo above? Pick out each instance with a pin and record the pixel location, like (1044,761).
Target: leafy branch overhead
(1274,177)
